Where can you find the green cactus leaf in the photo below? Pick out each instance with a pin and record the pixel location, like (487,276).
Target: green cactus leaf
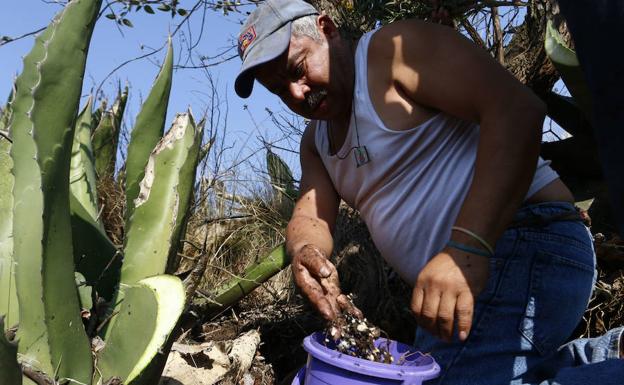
(237,288)
(281,176)
(84,292)
(5,113)
(8,296)
(95,256)
(51,334)
(147,316)
(82,179)
(148,129)
(566,113)
(104,144)
(97,114)
(185,188)
(10,372)
(567,64)
(151,230)
(106,136)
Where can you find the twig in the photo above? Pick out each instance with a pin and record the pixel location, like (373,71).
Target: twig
(473,33)
(499,50)
(7,39)
(106,320)
(5,135)
(36,376)
(114,381)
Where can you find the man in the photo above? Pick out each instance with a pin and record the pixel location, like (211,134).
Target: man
(436,145)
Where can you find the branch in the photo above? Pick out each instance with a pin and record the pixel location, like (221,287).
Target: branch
(97,90)
(473,33)
(7,39)
(5,135)
(499,51)
(36,376)
(478,5)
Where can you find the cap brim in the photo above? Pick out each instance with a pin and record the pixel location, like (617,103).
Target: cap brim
(259,53)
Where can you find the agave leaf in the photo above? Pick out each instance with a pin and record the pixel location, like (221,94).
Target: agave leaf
(95,256)
(238,287)
(8,298)
(82,179)
(97,114)
(105,145)
(152,228)
(48,92)
(148,129)
(565,112)
(281,176)
(106,136)
(567,64)
(85,292)
(10,372)
(185,188)
(148,314)
(5,113)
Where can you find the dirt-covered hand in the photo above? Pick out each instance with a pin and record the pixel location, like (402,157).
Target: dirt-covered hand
(445,291)
(318,279)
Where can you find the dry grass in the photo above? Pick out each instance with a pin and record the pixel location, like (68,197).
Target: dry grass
(606,308)
(112,202)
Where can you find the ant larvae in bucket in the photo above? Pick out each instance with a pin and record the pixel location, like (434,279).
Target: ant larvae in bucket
(356,337)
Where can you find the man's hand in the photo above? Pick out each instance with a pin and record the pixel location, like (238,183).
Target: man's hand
(445,291)
(317,277)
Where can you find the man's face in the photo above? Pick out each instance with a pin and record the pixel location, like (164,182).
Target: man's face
(305,79)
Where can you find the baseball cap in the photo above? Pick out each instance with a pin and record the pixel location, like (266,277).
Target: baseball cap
(266,35)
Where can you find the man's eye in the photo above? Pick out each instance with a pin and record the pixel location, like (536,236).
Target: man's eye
(298,72)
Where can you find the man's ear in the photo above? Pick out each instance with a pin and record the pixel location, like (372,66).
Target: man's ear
(326,25)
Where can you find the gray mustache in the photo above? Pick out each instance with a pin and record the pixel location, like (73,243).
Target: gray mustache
(313,98)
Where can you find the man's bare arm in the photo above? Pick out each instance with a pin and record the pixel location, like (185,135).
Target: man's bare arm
(438,68)
(309,233)
(315,212)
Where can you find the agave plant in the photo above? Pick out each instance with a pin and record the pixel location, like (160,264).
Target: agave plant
(52,215)
(56,261)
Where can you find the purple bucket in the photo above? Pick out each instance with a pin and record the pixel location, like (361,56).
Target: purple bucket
(327,366)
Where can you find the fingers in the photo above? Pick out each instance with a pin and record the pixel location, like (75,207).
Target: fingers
(317,264)
(446,315)
(347,306)
(318,279)
(427,315)
(313,290)
(439,313)
(464,312)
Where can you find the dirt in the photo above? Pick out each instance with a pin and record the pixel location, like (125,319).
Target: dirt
(355,336)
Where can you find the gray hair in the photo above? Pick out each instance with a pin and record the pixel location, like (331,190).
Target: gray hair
(306,26)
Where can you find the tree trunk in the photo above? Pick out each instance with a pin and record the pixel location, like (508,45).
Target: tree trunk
(526,56)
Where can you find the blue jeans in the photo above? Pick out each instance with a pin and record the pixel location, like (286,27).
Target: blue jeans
(540,282)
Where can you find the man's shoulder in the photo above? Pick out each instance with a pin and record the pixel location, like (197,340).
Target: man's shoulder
(308,140)
(388,43)
(397,31)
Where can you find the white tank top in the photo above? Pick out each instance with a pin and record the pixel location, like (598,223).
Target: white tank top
(411,190)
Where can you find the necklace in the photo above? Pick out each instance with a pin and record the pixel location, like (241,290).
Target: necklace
(360,153)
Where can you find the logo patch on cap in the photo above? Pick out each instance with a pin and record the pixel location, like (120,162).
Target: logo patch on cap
(245,39)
